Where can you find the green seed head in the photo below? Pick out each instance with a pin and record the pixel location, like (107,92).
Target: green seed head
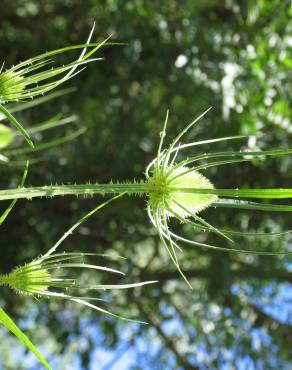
(29,279)
(164,198)
(12,86)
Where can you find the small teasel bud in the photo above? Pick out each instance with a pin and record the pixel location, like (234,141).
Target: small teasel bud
(39,75)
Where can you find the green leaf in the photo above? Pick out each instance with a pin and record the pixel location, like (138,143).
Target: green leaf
(13,328)
(51,123)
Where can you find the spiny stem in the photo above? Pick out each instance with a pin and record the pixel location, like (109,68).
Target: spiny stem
(135,188)
(84,189)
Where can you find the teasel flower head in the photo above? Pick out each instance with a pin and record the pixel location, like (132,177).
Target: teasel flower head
(51,275)
(38,75)
(179,190)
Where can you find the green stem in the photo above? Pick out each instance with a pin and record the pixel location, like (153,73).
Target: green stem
(84,189)
(139,188)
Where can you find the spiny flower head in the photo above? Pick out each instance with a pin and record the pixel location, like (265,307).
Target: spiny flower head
(162,198)
(178,190)
(37,75)
(46,276)
(167,197)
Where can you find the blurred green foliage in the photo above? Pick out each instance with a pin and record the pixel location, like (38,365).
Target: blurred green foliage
(179,55)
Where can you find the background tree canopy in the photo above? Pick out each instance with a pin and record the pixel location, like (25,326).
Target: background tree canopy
(179,55)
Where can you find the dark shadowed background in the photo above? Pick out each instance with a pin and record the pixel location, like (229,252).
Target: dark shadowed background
(183,56)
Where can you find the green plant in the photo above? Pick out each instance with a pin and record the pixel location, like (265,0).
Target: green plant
(33,78)
(47,275)
(14,152)
(176,189)
(49,271)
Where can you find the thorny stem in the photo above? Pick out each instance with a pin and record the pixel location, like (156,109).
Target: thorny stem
(84,189)
(136,188)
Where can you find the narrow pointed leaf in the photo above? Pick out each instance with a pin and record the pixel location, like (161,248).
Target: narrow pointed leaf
(13,328)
